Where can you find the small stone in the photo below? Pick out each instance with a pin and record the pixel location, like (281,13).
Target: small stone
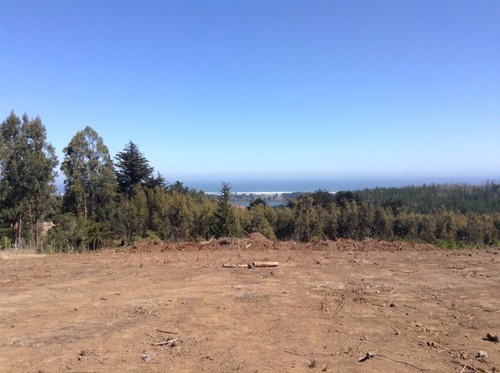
(481,353)
(492,337)
(77,308)
(146,358)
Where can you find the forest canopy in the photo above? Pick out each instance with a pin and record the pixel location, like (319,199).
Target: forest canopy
(110,201)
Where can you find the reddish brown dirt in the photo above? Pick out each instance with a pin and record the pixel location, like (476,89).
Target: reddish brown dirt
(322,309)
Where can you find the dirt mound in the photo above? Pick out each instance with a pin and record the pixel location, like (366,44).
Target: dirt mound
(253,240)
(144,246)
(257,241)
(260,241)
(368,245)
(258,237)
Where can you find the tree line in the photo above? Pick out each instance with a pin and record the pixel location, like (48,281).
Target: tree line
(116,201)
(424,199)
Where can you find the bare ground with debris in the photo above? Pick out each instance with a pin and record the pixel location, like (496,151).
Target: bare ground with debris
(159,307)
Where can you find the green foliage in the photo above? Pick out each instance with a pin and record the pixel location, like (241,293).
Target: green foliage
(256,202)
(424,199)
(98,235)
(382,223)
(180,217)
(494,242)
(348,219)
(202,210)
(178,187)
(446,245)
(92,215)
(68,233)
(307,219)
(132,215)
(260,218)
(90,181)
(285,223)
(5,243)
(133,168)
(225,222)
(331,222)
(27,163)
(324,198)
(342,197)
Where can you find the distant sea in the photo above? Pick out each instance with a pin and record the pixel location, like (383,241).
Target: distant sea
(311,185)
(331,185)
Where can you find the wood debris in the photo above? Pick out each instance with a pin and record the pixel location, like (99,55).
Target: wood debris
(256,264)
(265,264)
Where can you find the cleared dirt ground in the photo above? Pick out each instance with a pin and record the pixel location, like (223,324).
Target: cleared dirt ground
(160,307)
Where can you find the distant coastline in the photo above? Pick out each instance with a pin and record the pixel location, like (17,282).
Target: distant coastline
(285,186)
(256,193)
(271,187)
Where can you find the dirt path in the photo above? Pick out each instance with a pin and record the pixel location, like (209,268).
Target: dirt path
(322,309)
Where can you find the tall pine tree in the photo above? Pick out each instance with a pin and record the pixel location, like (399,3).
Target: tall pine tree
(133,168)
(225,222)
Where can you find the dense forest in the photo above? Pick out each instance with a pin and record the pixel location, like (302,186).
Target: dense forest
(115,201)
(465,198)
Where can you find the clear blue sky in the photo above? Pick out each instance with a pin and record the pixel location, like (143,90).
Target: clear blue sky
(227,90)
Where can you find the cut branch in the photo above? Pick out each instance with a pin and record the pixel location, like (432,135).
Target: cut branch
(165,343)
(370,355)
(165,331)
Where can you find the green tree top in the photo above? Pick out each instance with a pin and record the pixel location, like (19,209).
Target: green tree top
(90,181)
(133,168)
(225,222)
(27,163)
(256,202)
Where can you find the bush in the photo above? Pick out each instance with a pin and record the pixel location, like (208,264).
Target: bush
(494,242)
(447,245)
(5,243)
(314,239)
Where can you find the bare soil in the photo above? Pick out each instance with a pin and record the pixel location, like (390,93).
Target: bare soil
(158,307)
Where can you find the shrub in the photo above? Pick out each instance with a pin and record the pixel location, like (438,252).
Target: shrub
(447,245)
(5,243)
(494,242)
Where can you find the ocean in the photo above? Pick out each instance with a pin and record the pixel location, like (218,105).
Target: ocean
(311,185)
(331,185)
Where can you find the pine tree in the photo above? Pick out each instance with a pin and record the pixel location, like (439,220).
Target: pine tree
(133,168)
(225,222)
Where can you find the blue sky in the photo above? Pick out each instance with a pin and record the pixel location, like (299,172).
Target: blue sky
(228,90)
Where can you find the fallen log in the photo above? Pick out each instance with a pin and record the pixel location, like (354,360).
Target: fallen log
(228,266)
(265,264)
(242,265)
